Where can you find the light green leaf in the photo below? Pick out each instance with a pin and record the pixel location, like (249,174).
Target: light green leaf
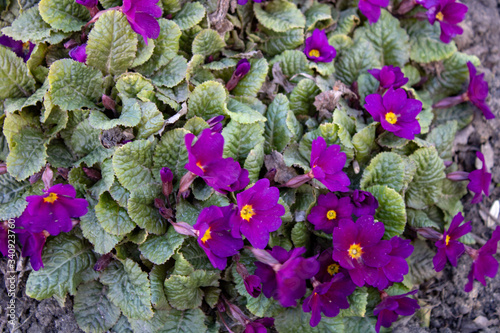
(356,61)
(74,85)
(279,15)
(442,137)
(240,139)
(183,292)
(207,42)
(94,313)
(364,143)
(65,258)
(172,73)
(303,96)
(295,320)
(144,52)
(171,152)
(172,321)
(273,43)
(243,113)
(348,20)
(112,44)
(129,117)
(419,219)
(323,68)
(171,6)
(276,132)
(65,15)
(425,45)
(132,164)
(358,301)
(207,100)
(157,277)
(12,196)
(130,85)
(122,325)
(15,80)
(158,249)
(391,210)
(254,161)
(425,189)
(113,218)
(142,210)
(253,81)
(190,15)
(318,13)
(292,62)
(151,120)
(128,289)
(224,63)
(385,169)
(187,212)
(28,153)
(103,241)
(119,193)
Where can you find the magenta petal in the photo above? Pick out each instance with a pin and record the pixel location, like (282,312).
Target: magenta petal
(439,260)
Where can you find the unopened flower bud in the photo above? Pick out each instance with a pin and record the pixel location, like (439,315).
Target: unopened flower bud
(167,177)
(108,102)
(458,176)
(48,177)
(242,69)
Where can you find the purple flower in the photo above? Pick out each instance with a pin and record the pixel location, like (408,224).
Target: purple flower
(205,160)
(244,2)
(79,53)
(242,68)
(166,175)
(22,50)
(4,238)
(141,16)
(259,325)
(396,112)
(53,210)
(358,248)
(326,214)
(397,267)
(478,91)
(449,14)
(87,3)
(32,245)
(371,9)
(214,237)
(215,123)
(252,285)
(480,181)
(389,77)
(327,267)
(448,246)
(317,48)
(364,203)
(484,263)
(388,310)
(329,298)
(258,213)
(241,182)
(327,164)
(286,281)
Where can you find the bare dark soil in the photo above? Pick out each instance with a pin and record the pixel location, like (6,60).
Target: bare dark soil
(451,309)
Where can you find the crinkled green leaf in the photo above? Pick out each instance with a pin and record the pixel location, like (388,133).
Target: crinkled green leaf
(207,42)
(190,15)
(172,321)
(128,289)
(27,154)
(171,6)
(425,188)
(360,324)
(384,169)
(194,254)
(391,210)
(112,44)
(419,219)
(224,63)
(172,73)
(113,218)
(207,100)
(358,301)
(93,311)
(157,277)
(425,45)
(300,235)
(84,141)
(450,200)
(323,68)
(132,164)
(103,241)
(119,193)
(129,117)
(65,15)
(274,43)
(130,85)
(243,113)
(279,15)
(74,85)
(65,258)
(122,326)
(240,139)
(356,61)
(142,210)
(254,161)
(183,292)
(158,249)
(151,120)
(303,96)
(14,76)
(364,143)
(420,263)
(442,137)
(318,13)
(348,20)
(296,320)
(462,114)
(12,196)
(144,52)
(171,152)
(292,62)
(253,81)
(276,132)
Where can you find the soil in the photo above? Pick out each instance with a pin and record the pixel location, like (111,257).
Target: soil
(451,309)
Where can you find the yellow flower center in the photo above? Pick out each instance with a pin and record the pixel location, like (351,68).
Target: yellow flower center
(333,269)
(199,166)
(391,118)
(206,236)
(355,251)
(247,212)
(314,53)
(439,16)
(331,215)
(447,240)
(51,198)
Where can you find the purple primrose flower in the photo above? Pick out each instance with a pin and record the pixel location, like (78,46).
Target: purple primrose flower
(258,213)
(478,91)
(484,263)
(371,9)
(318,49)
(213,225)
(326,214)
(358,248)
(327,267)
(22,50)
(79,53)
(396,112)
(389,77)
(449,14)
(480,181)
(391,307)
(4,239)
(87,3)
(32,244)
(397,267)
(259,325)
(327,164)
(53,210)
(449,247)
(364,203)
(141,16)
(329,298)
(242,68)
(286,281)
(244,2)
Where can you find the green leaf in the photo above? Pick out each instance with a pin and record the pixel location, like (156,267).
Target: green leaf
(172,321)
(172,73)
(384,169)
(243,113)
(28,153)
(14,76)
(425,189)
(119,193)
(323,68)
(295,320)
(273,43)
(74,85)
(240,139)
(279,15)
(190,15)
(65,258)
(303,96)
(130,85)
(391,210)
(84,141)
(356,61)
(112,44)
(207,100)
(142,210)
(462,114)
(171,6)
(132,164)
(420,262)
(292,62)
(93,310)
(113,218)
(144,52)
(103,241)
(358,301)
(65,15)
(151,120)
(129,117)
(419,219)
(276,132)
(442,137)
(207,42)
(389,140)
(222,64)
(348,20)
(183,292)
(300,235)
(187,212)
(158,249)
(12,196)
(253,81)
(254,161)
(122,325)
(157,277)
(364,143)
(360,324)
(425,45)
(128,289)
(171,152)
(389,40)
(318,13)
